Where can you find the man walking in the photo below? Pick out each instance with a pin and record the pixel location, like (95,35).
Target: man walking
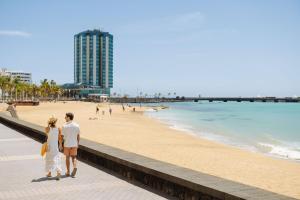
(71,137)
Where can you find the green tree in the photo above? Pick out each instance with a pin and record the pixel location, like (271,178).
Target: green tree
(45,88)
(4,81)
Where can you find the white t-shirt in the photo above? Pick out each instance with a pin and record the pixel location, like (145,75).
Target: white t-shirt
(70,130)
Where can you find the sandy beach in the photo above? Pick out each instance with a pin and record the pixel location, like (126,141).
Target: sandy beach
(135,132)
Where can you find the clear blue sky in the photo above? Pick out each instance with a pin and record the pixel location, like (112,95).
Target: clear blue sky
(213,48)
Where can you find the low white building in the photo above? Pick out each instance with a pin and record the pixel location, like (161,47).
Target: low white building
(24,77)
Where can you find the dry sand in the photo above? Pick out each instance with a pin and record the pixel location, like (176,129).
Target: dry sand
(3,107)
(137,133)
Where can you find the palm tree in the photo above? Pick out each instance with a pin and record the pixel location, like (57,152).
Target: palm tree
(23,90)
(18,90)
(45,88)
(3,86)
(9,87)
(16,85)
(52,88)
(29,91)
(56,91)
(35,91)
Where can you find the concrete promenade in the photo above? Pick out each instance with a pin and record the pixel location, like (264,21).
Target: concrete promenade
(22,176)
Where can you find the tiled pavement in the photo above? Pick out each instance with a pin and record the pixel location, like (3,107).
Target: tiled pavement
(22,176)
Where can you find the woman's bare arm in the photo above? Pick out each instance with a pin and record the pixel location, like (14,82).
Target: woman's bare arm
(60,138)
(47,129)
(78,138)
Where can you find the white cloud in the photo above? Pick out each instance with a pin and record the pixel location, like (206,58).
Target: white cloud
(14,33)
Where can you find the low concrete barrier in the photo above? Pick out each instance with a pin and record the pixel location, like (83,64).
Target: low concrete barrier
(24,103)
(165,179)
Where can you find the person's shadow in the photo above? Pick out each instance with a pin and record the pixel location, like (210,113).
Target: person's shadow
(47,179)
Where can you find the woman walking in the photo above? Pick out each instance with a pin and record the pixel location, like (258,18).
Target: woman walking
(53,157)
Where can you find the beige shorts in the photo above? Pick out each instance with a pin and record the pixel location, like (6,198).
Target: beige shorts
(70,151)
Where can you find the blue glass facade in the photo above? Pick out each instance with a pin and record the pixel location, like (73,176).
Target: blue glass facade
(93,59)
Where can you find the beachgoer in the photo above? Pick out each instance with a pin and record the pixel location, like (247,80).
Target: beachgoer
(71,136)
(53,157)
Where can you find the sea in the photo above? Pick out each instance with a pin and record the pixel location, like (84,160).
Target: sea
(269,128)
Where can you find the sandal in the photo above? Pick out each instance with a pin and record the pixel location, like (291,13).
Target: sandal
(58,176)
(48,175)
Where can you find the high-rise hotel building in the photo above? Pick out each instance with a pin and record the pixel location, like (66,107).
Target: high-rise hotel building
(93,59)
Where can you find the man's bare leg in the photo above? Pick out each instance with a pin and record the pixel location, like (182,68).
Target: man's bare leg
(74,162)
(68,165)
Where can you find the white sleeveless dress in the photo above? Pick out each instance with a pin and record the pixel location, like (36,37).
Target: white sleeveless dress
(53,157)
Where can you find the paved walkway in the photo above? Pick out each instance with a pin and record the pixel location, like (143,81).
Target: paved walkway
(22,176)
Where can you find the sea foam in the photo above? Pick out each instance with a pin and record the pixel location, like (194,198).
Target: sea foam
(282,151)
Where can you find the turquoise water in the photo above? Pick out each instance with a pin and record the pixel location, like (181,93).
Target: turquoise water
(269,128)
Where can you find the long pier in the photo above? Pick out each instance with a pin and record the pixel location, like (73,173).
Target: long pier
(210,99)
(247,99)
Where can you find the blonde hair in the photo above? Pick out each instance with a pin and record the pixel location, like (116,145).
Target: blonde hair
(52,121)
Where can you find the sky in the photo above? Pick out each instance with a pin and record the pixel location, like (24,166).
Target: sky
(193,47)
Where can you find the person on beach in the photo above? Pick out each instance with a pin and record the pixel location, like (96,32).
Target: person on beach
(13,111)
(53,157)
(71,137)
(97,110)
(110,110)
(123,107)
